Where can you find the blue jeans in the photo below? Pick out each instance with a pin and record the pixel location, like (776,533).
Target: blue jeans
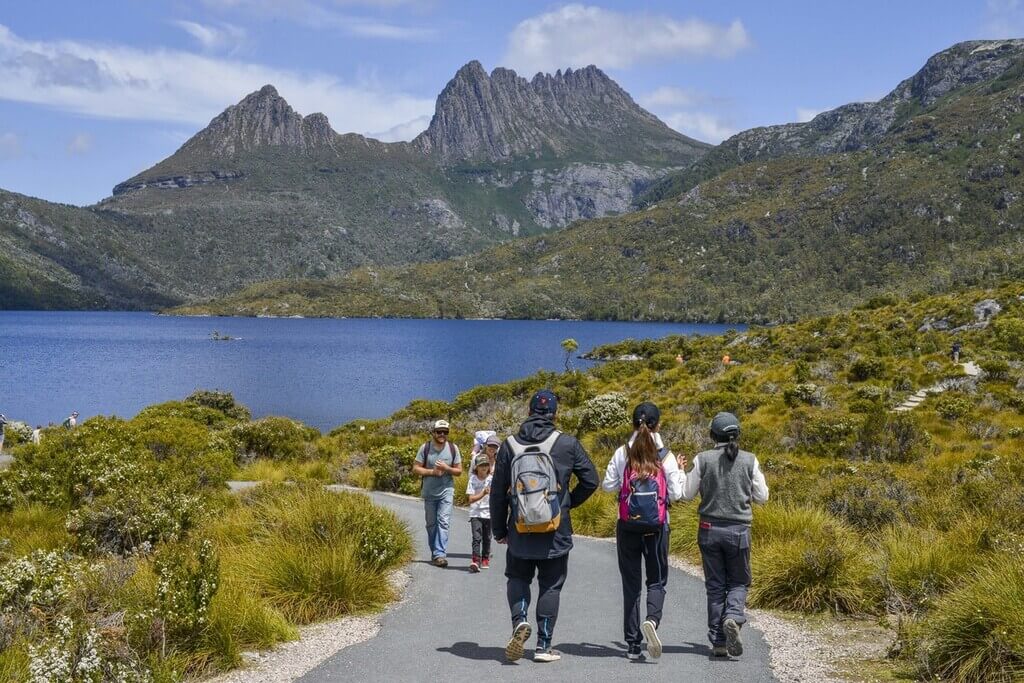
(438,512)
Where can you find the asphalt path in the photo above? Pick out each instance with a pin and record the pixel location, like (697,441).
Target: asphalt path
(453,625)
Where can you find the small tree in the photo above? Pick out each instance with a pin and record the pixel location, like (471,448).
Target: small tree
(569,346)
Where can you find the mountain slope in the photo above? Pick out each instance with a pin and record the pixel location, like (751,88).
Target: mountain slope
(934,202)
(856,126)
(264,192)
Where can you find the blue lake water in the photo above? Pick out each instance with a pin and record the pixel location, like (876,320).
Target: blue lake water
(324,372)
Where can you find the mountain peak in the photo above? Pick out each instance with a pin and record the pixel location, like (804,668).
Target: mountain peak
(262,119)
(584,113)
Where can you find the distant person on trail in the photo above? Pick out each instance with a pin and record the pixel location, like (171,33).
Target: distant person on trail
(438,462)
(955,352)
(37,435)
(647,478)
(479,491)
(491,447)
(71,421)
(530,507)
(728,481)
(3,428)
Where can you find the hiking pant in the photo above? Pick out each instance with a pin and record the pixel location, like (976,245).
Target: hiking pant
(637,552)
(551,575)
(439,515)
(481,536)
(725,550)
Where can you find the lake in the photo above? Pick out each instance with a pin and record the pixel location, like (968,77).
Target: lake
(324,372)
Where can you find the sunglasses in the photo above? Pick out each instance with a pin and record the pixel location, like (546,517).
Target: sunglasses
(439,432)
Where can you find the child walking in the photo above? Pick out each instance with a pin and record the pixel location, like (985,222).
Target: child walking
(479,491)
(647,478)
(729,481)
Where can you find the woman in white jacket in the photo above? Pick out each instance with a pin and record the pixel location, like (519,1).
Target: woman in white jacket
(638,470)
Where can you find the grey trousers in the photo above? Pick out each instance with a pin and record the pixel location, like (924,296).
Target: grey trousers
(725,550)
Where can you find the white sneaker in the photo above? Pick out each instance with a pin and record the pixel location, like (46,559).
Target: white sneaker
(520,634)
(548,655)
(650,632)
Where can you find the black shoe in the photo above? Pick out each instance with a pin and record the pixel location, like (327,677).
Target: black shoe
(733,643)
(719,651)
(634,653)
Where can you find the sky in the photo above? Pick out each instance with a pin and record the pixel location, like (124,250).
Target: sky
(92,93)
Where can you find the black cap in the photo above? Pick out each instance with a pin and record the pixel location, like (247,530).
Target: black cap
(725,427)
(544,402)
(648,414)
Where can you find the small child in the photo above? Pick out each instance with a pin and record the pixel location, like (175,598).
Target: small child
(479,492)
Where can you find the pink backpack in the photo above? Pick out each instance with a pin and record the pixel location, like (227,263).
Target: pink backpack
(643,503)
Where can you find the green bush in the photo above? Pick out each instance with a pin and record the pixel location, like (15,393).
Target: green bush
(921,565)
(891,437)
(868,501)
(867,368)
(1009,334)
(826,432)
(806,393)
(221,401)
(604,411)
(277,438)
(392,469)
(952,405)
(976,634)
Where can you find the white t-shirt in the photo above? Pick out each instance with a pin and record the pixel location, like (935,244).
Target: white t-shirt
(481,508)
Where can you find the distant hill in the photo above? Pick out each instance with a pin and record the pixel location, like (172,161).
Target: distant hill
(918,192)
(264,192)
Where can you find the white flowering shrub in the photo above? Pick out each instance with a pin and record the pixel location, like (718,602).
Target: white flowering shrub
(188,576)
(277,438)
(41,581)
(603,411)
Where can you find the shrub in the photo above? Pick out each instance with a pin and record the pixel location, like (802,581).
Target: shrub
(952,405)
(188,449)
(891,437)
(603,411)
(976,634)
(277,438)
(826,432)
(996,368)
(662,361)
(806,560)
(1009,334)
(392,468)
(806,393)
(868,501)
(867,368)
(221,401)
(188,576)
(921,565)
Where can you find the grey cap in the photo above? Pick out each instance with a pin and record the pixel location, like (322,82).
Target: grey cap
(725,426)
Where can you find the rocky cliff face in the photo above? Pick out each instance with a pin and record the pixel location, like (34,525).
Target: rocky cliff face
(571,114)
(560,197)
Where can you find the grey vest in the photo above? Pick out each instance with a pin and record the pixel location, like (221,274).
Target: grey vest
(726,486)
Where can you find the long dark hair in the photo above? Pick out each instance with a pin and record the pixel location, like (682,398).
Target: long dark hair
(731,448)
(642,456)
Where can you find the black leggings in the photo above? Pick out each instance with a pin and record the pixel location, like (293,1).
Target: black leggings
(481,536)
(637,552)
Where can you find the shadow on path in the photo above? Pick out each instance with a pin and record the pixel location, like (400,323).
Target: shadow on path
(475,651)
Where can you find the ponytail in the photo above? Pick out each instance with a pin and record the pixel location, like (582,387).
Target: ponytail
(642,455)
(731,448)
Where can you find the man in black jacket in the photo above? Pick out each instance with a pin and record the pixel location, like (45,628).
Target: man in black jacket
(543,554)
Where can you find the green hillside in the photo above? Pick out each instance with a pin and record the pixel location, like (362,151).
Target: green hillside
(933,204)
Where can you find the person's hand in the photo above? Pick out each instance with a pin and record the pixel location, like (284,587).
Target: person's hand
(440,466)
(681,461)
(487,490)
(501,541)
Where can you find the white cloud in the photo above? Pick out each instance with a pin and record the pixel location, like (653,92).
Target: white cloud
(316,15)
(114,81)
(404,131)
(214,38)
(669,96)
(81,143)
(700,125)
(578,35)
(805,114)
(10,146)
(1003,19)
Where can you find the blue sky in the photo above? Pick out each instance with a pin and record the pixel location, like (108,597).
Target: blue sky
(92,93)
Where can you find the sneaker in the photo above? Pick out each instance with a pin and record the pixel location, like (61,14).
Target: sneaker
(719,651)
(634,653)
(440,561)
(485,563)
(733,644)
(650,632)
(520,634)
(546,654)
(474,567)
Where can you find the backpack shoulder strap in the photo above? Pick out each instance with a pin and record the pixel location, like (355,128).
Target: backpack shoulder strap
(426,453)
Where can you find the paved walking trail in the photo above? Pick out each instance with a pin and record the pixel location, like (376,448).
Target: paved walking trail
(453,626)
(971,369)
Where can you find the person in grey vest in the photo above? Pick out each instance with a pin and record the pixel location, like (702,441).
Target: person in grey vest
(728,480)
(544,555)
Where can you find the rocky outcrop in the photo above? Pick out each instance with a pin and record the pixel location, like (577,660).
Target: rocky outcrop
(586,191)
(177,181)
(497,117)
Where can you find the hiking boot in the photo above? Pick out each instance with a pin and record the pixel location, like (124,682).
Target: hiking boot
(485,563)
(520,634)
(634,653)
(719,651)
(733,644)
(650,631)
(440,561)
(546,654)
(474,566)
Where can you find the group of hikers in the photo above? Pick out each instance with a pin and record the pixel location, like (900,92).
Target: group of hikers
(519,492)
(37,434)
